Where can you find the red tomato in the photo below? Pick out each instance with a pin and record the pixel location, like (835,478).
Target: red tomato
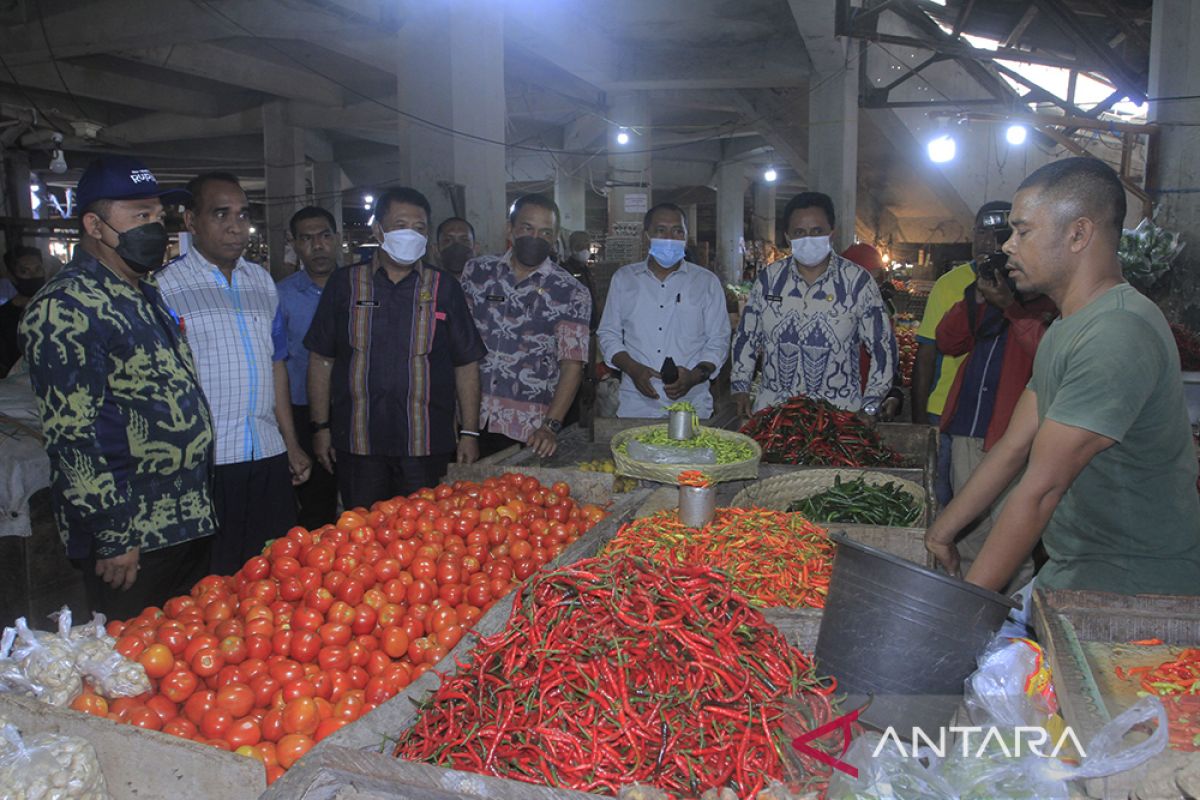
(234,649)
(179,684)
(284,547)
(364,620)
(264,688)
(281,643)
(379,690)
(334,658)
(305,646)
(298,688)
(165,708)
(272,725)
(418,648)
(157,659)
(173,635)
(215,722)
(479,594)
(290,589)
(198,704)
(320,558)
(350,592)
(449,636)
(328,726)
(207,662)
(395,642)
(340,612)
(258,647)
(143,717)
(291,748)
(236,698)
(387,569)
(349,708)
(300,716)
(307,619)
(243,732)
(334,634)
(182,727)
(469,615)
(319,598)
(90,703)
(286,670)
(131,646)
(421,591)
(257,568)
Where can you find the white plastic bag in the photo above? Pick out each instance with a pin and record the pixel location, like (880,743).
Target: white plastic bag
(48,766)
(48,661)
(892,775)
(1012,687)
(665,454)
(12,677)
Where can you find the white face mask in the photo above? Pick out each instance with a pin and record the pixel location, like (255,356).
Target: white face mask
(810,250)
(404,246)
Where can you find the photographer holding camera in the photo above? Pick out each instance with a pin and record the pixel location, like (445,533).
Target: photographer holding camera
(998,331)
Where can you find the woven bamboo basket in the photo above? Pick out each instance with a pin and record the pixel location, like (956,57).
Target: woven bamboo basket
(778,493)
(668,473)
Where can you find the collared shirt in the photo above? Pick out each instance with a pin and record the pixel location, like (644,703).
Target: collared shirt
(528,327)
(235,331)
(682,317)
(127,429)
(394,348)
(809,336)
(947,291)
(298,298)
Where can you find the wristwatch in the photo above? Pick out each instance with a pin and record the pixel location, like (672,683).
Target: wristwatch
(552,425)
(705,371)
(871,408)
(317,427)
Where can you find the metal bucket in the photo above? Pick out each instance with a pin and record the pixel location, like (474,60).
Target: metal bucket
(679,426)
(697,505)
(903,636)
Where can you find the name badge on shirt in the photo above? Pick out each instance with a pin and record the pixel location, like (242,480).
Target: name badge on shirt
(775,298)
(366,304)
(495,298)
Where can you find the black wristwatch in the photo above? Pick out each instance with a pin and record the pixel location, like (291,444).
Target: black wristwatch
(317,427)
(552,425)
(704,369)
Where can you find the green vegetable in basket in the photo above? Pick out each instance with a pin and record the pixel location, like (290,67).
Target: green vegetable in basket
(861,503)
(728,451)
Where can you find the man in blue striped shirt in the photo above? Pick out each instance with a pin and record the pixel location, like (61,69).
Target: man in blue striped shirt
(229,311)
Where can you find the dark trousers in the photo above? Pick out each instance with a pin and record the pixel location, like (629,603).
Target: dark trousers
(492,443)
(162,574)
(317,495)
(255,503)
(363,480)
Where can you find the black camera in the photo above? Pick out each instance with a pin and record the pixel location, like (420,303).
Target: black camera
(991,265)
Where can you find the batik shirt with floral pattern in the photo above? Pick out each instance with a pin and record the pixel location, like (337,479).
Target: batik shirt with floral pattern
(528,328)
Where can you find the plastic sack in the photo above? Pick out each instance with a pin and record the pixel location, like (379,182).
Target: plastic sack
(48,660)
(996,774)
(49,766)
(111,674)
(12,677)
(1012,686)
(665,454)
(893,774)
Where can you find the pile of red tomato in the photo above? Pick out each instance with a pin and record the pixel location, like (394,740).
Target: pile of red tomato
(326,625)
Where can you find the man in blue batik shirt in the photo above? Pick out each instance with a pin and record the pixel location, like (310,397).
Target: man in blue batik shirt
(807,316)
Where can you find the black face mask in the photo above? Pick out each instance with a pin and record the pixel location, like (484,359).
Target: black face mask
(27,287)
(531,251)
(454,257)
(143,247)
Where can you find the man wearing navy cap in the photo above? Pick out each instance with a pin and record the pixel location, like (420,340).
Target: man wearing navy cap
(127,430)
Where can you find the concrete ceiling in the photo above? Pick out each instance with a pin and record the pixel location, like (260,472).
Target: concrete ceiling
(183,83)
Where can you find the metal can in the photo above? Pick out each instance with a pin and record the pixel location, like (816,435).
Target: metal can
(679,426)
(697,505)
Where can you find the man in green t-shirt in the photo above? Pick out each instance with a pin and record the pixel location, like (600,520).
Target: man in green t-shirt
(1102,430)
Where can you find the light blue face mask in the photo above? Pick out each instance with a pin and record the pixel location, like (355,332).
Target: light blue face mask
(667,252)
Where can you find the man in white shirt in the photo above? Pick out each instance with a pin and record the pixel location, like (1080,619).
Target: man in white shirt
(664,307)
(228,309)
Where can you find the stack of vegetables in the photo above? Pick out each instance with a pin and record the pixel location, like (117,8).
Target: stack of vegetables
(727,451)
(1176,682)
(860,503)
(616,671)
(771,558)
(328,624)
(817,433)
(906,345)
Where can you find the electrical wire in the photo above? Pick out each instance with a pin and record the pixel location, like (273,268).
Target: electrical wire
(54,60)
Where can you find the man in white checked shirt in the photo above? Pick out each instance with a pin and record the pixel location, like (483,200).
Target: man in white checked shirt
(229,312)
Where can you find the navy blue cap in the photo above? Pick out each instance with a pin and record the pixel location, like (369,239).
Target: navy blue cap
(120,178)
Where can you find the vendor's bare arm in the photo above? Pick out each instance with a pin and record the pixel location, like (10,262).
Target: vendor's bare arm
(320,368)
(466,383)
(1059,454)
(922,381)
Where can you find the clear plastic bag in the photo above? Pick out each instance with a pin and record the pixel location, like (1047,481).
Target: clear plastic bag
(111,674)
(12,677)
(49,766)
(1012,686)
(48,661)
(665,454)
(893,774)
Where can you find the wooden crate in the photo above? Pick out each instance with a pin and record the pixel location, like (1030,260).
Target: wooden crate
(1079,631)
(358,758)
(139,763)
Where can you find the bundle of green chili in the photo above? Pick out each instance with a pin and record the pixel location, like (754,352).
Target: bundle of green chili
(615,671)
(815,432)
(771,558)
(862,503)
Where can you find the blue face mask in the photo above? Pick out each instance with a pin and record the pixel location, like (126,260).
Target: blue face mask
(667,252)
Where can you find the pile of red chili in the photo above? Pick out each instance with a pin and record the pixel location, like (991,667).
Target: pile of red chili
(771,558)
(694,478)
(615,671)
(1177,683)
(815,432)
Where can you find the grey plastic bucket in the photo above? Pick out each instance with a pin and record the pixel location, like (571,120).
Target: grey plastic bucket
(902,637)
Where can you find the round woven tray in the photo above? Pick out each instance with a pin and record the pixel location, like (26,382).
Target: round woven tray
(668,473)
(777,493)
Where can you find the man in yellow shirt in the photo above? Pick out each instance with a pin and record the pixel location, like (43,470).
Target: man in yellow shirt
(933,373)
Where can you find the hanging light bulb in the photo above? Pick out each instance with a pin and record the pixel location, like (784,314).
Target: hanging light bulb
(58,163)
(770,175)
(622,136)
(1016,134)
(942,149)
(368,200)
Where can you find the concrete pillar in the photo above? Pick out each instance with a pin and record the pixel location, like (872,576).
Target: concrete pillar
(1175,167)
(629,178)
(731,220)
(833,144)
(764,211)
(283,150)
(450,71)
(693,226)
(327,188)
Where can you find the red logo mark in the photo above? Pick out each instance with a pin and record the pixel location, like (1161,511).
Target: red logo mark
(843,724)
